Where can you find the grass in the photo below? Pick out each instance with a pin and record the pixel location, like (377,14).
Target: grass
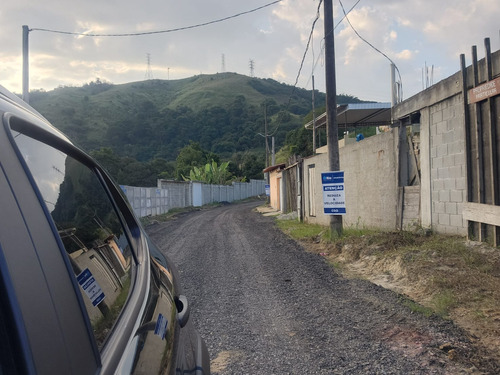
(301,231)
(443,301)
(416,307)
(442,275)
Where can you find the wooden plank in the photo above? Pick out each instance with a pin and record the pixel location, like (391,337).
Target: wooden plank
(479,134)
(481,213)
(467,130)
(479,162)
(471,228)
(493,156)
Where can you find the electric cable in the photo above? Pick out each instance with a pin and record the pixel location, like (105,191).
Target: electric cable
(375,48)
(160,31)
(323,45)
(301,66)
(305,54)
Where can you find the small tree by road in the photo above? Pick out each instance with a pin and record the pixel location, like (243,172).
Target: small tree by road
(211,173)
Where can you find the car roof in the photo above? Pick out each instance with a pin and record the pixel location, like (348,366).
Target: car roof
(11,103)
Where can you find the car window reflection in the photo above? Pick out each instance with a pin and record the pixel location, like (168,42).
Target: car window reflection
(89,228)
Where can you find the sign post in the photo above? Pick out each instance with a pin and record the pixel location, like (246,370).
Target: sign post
(333,193)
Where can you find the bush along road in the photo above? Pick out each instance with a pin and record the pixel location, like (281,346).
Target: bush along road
(266,306)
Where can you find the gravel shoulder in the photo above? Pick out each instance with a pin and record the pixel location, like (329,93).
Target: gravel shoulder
(265,305)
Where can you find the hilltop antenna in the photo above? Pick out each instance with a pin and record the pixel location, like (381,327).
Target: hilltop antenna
(252,66)
(223,65)
(149,71)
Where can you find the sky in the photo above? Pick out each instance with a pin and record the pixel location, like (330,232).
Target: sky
(419,36)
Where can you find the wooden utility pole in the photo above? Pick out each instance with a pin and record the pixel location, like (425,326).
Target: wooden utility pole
(331,106)
(265,135)
(314,119)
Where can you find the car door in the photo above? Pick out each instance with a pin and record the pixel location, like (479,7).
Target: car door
(45,331)
(91,287)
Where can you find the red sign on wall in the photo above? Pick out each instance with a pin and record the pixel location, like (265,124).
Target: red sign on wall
(484,91)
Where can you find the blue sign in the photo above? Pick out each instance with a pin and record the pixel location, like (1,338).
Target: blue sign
(333,193)
(268,190)
(90,287)
(332,177)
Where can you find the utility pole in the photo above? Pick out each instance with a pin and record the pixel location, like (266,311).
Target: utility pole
(331,107)
(273,155)
(265,135)
(314,119)
(26,71)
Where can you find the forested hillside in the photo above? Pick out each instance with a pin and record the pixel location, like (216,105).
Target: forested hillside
(225,114)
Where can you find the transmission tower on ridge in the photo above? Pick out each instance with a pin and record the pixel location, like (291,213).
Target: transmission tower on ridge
(149,71)
(223,66)
(252,65)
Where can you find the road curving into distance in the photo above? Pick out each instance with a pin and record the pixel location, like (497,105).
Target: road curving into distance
(266,306)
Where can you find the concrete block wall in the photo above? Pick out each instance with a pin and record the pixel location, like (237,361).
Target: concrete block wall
(370,175)
(443,154)
(447,166)
(150,201)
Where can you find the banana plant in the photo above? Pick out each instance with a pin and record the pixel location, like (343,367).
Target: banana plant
(211,173)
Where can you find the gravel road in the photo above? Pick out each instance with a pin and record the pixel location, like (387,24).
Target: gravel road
(266,306)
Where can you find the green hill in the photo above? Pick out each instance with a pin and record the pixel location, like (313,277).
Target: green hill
(224,113)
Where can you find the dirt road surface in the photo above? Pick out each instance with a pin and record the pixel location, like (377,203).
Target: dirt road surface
(266,306)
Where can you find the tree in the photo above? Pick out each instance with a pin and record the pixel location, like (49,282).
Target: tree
(191,156)
(211,173)
(162,168)
(109,160)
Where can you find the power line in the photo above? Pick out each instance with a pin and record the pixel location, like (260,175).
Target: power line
(160,31)
(371,45)
(301,64)
(308,42)
(305,54)
(323,46)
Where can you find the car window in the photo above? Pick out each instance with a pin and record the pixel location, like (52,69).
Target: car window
(89,228)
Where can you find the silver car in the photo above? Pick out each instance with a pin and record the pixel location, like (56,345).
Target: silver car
(82,288)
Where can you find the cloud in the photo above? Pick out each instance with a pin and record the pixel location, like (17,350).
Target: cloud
(405,55)
(409,32)
(393,35)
